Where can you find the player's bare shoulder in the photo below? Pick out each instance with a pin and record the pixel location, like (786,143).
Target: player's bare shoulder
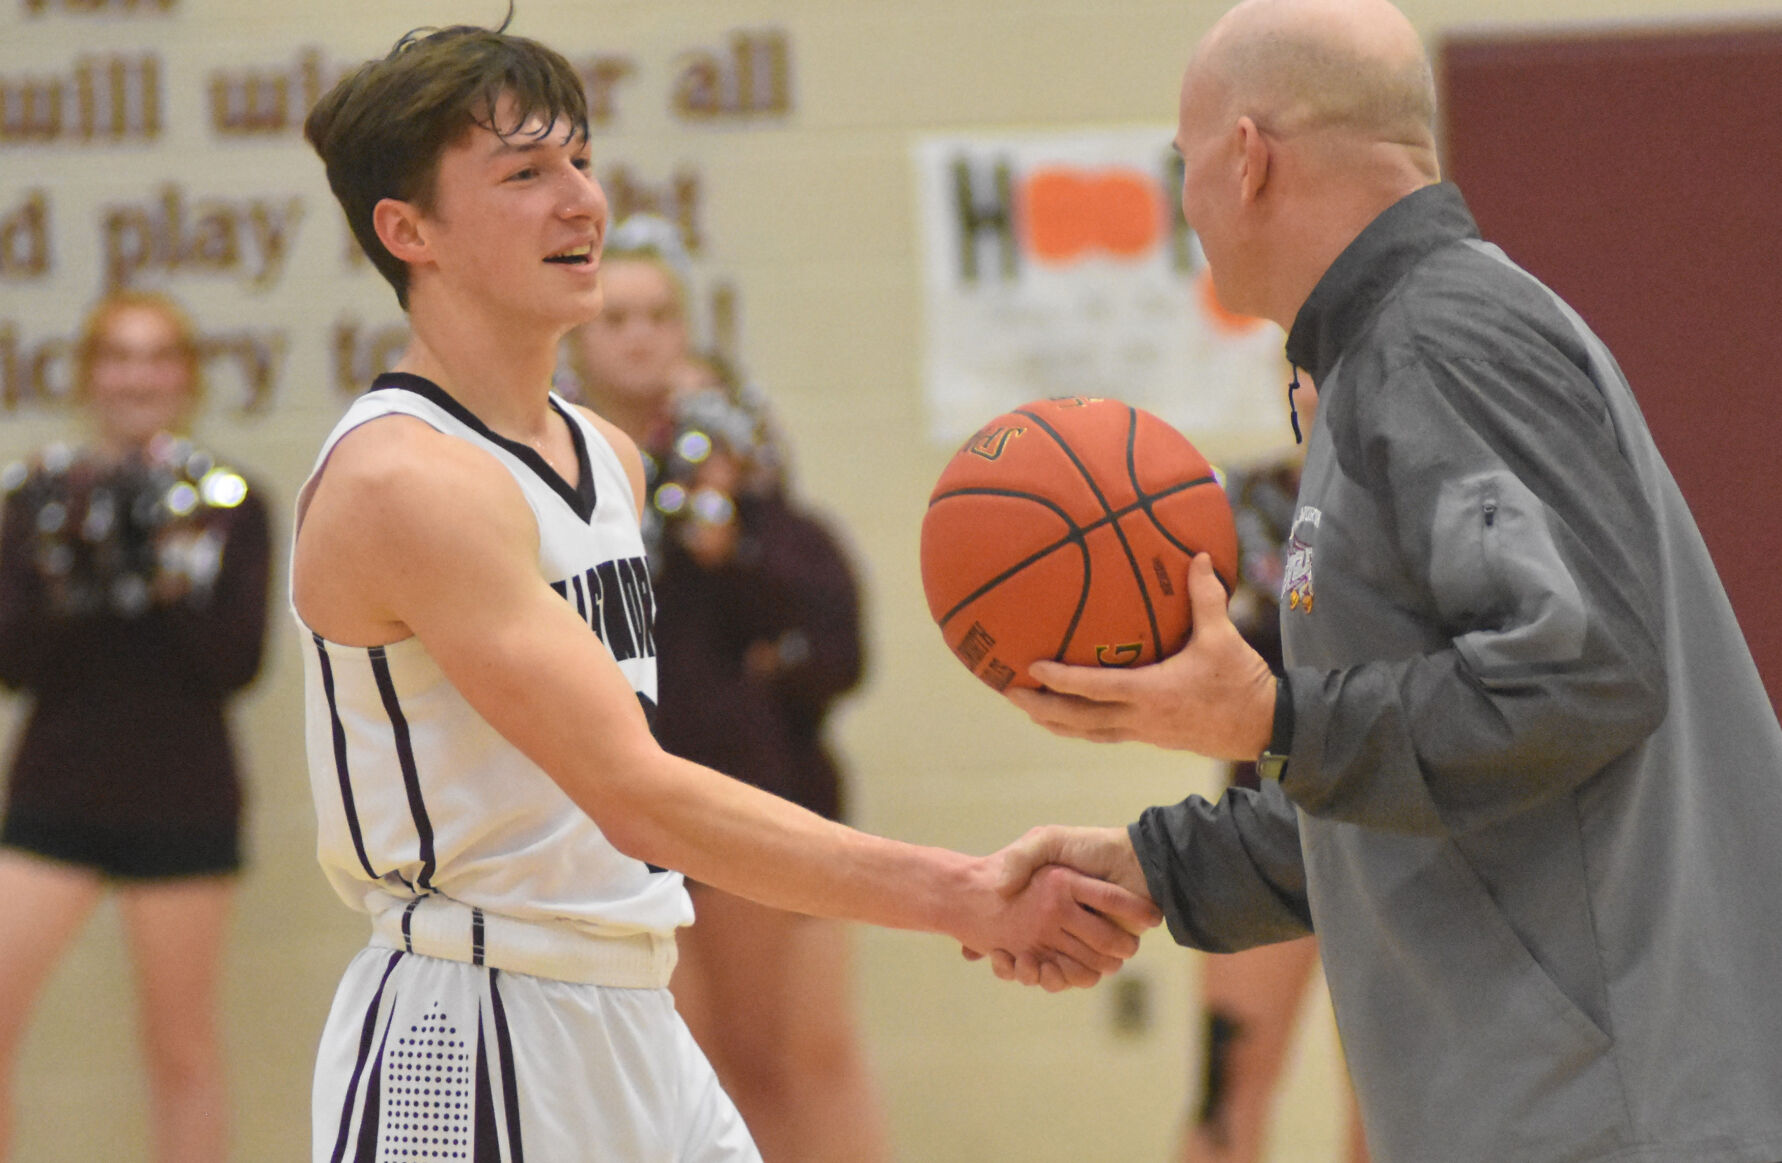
(626,449)
(395,505)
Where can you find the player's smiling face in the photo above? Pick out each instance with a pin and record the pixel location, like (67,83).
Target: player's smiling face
(517,220)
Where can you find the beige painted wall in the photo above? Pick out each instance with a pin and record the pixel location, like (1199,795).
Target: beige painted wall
(811,217)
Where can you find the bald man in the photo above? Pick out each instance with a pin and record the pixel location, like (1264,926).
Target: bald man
(1527,784)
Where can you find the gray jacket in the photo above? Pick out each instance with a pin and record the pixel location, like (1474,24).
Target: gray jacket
(1533,809)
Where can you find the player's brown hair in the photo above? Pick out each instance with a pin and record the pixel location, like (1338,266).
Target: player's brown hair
(381,130)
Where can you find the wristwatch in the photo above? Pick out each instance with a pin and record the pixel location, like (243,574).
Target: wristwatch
(1272,763)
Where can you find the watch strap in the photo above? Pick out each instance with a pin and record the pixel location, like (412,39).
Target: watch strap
(1272,763)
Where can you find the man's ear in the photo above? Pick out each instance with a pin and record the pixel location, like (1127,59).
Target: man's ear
(1253,159)
(398,226)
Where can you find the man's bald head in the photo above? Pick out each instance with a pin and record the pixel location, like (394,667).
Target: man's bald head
(1301,121)
(1296,65)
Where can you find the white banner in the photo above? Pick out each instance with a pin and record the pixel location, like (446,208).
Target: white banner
(1059,264)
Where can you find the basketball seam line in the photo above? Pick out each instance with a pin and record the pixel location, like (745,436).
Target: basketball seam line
(1076,617)
(1138,574)
(1077,536)
(1019,495)
(1125,546)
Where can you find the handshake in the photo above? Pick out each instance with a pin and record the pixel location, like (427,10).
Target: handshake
(1073,902)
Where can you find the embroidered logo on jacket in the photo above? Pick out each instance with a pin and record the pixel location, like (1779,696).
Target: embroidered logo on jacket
(1296,579)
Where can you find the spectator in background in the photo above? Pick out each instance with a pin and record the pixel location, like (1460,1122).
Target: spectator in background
(758,634)
(631,362)
(1251,998)
(133,588)
(631,359)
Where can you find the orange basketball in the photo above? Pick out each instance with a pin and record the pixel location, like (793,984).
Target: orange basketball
(1063,530)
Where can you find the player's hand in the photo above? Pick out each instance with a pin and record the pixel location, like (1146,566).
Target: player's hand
(1216,696)
(1060,928)
(1104,853)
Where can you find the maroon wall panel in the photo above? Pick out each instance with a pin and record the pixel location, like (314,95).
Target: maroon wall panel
(1639,174)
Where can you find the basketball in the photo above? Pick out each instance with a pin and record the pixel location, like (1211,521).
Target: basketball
(1063,530)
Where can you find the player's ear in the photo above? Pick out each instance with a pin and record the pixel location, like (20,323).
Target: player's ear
(1253,159)
(398,226)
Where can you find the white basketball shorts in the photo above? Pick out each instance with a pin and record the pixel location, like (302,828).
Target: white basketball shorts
(427,1059)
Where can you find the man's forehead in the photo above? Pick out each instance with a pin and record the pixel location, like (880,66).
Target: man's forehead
(1192,108)
(1211,96)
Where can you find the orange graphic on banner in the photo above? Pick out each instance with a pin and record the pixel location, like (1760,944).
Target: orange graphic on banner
(1068,212)
(1222,317)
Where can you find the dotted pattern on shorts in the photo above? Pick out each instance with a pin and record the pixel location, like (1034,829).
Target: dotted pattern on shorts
(428,1097)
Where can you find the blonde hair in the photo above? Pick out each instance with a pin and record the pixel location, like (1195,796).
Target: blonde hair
(99,319)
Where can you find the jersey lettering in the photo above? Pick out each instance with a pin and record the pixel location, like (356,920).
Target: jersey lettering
(616,601)
(640,602)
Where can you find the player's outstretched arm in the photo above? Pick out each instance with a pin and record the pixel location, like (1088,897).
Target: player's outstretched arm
(429,535)
(1216,696)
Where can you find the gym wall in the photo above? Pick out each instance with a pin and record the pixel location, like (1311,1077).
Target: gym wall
(782,135)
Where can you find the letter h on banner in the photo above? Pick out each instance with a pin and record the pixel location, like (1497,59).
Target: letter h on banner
(995,217)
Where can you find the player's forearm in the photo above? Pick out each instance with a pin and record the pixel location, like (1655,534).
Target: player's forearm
(738,838)
(676,814)
(545,684)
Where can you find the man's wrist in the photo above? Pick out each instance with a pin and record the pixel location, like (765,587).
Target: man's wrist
(1272,763)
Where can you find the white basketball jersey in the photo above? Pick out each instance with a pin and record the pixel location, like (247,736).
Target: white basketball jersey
(430,821)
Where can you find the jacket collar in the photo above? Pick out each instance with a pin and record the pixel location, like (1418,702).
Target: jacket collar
(1369,268)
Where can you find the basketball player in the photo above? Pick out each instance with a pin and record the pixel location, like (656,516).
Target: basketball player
(480,665)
